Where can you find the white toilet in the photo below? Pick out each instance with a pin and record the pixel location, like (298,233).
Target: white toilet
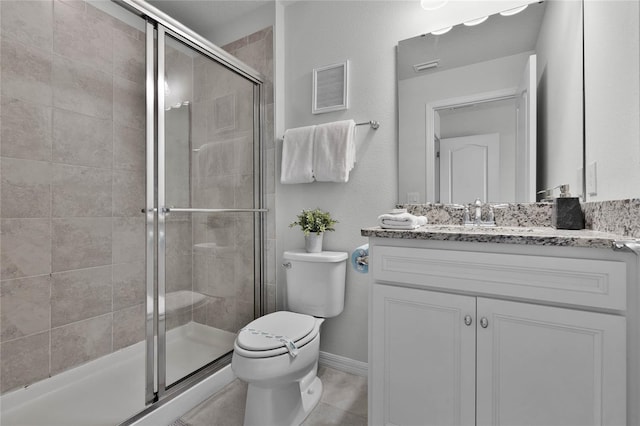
(277,354)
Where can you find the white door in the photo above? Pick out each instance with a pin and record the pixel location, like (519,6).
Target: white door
(422,357)
(540,365)
(526,134)
(470,168)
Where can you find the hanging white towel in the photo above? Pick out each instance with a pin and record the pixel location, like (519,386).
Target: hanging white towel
(297,155)
(334,151)
(401,221)
(204,164)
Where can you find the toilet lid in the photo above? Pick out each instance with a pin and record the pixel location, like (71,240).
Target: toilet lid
(265,333)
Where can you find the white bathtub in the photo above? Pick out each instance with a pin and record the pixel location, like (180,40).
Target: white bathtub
(110,389)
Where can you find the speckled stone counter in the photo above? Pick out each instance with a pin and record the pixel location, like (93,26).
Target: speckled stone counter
(544,236)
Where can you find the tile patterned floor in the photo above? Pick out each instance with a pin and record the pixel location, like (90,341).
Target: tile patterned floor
(343,402)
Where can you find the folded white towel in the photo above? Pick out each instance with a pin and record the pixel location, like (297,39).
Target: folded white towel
(401,221)
(334,151)
(297,155)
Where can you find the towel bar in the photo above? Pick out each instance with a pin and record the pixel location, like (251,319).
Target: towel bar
(373,123)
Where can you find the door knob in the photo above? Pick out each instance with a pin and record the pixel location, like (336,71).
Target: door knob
(467,320)
(484,322)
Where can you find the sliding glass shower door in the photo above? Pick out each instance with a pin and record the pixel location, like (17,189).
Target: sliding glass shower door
(204,235)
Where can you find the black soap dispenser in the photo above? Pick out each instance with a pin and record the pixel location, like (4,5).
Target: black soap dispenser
(567,212)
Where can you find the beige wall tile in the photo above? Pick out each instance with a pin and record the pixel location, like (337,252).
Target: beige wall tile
(29,22)
(128,326)
(80,191)
(129,57)
(81,294)
(81,243)
(244,274)
(82,37)
(128,193)
(82,140)
(129,285)
(244,193)
(179,238)
(80,342)
(26,72)
(24,361)
(129,148)
(221,277)
(24,307)
(129,239)
(179,273)
(25,188)
(129,103)
(25,249)
(26,129)
(81,88)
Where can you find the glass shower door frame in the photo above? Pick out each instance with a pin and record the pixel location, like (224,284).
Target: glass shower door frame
(156,209)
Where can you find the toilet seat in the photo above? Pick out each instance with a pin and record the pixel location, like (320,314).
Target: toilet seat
(269,335)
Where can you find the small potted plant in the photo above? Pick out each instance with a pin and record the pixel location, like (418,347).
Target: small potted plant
(314,223)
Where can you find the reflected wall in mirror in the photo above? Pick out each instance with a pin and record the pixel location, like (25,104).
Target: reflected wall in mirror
(493,111)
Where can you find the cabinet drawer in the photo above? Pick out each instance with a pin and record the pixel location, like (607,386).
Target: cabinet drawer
(581,282)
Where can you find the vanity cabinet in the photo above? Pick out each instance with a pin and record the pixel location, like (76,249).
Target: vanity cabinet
(453,343)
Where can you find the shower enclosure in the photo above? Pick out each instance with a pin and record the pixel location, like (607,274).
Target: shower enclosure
(132,209)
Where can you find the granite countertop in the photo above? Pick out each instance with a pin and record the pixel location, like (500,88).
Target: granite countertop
(545,236)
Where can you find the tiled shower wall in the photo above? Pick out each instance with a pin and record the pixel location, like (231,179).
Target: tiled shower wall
(256,50)
(223,177)
(72,163)
(72,185)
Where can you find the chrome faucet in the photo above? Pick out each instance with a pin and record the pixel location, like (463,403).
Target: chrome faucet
(477,215)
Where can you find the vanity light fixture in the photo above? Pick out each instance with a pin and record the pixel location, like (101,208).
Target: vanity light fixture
(441,31)
(514,11)
(426,65)
(432,4)
(474,22)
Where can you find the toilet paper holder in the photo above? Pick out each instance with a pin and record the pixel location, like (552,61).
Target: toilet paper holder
(362,260)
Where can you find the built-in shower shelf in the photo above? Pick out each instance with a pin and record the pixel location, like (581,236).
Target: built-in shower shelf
(184,299)
(205,246)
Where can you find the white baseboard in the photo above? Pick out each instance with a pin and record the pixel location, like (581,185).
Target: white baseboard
(341,363)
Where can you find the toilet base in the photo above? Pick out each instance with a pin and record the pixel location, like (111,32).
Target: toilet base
(284,405)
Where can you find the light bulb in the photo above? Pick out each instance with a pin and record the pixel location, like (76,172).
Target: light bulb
(441,31)
(432,4)
(514,11)
(476,21)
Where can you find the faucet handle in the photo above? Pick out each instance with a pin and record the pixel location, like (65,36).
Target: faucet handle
(499,206)
(491,219)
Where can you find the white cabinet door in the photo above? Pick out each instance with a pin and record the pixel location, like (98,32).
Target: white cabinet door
(422,358)
(541,365)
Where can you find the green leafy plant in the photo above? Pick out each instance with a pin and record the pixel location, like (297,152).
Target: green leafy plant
(317,221)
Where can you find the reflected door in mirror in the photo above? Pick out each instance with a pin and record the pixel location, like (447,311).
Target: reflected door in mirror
(469,168)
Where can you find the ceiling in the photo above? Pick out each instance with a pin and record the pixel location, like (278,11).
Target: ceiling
(202,15)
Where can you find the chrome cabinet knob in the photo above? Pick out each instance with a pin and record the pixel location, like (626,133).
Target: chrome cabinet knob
(467,320)
(484,322)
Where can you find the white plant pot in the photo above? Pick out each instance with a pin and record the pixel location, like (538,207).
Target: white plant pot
(313,242)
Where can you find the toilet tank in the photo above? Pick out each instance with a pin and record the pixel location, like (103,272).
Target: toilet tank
(315,282)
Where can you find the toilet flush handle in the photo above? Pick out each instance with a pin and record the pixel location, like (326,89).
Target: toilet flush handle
(286,265)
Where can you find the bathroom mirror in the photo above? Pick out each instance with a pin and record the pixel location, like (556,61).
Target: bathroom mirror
(493,108)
